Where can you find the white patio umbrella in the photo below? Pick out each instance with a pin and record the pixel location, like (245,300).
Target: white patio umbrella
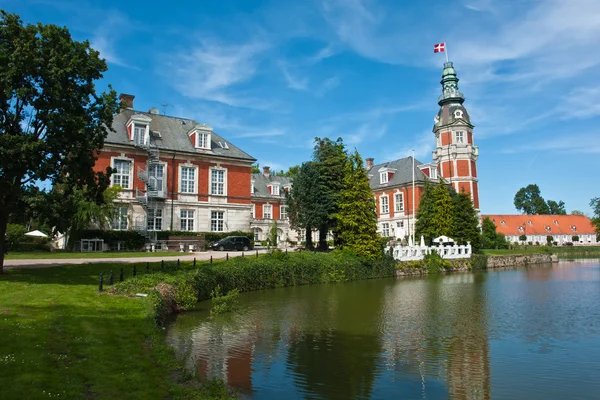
(422,241)
(410,243)
(36,233)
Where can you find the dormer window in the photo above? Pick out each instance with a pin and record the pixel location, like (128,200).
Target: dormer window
(458,114)
(139,134)
(502,223)
(555,222)
(274,190)
(200,136)
(203,140)
(433,173)
(529,223)
(548,229)
(383,177)
(138,129)
(573,228)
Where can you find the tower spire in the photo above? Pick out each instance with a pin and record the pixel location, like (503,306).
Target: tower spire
(450,93)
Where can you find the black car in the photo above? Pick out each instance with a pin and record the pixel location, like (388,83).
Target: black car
(239,243)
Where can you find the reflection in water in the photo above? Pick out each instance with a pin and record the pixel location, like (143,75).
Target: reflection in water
(461,336)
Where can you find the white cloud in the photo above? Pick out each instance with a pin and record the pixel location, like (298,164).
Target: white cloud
(582,102)
(105,37)
(293,82)
(363,132)
(422,145)
(211,70)
(327,85)
(564,144)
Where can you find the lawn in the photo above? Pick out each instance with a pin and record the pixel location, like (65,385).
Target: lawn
(561,251)
(39,255)
(60,338)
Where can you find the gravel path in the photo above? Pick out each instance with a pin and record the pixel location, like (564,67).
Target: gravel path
(54,262)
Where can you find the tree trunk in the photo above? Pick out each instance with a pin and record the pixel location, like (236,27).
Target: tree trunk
(3,224)
(323,238)
(309,244)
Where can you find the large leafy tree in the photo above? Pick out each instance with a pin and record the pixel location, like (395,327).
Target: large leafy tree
(424,224)
(557,208)
(465,221)
(490,239)
(595,204)
(330,159)
(443,218)
(52,119)
(307,206)
(356,219)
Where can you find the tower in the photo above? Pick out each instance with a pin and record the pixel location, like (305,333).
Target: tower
(455,154)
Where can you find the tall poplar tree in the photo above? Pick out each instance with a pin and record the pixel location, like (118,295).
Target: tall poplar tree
(465,221)
(442,220)
(52,119)
(357,217)
(424,224)
(330,159)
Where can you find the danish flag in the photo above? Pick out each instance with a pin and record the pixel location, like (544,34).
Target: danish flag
(439,48)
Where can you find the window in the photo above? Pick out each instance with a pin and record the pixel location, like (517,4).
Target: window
(267,211)
(187,220)
(216,221)
(385,229)
(458,114)
(399,202)
(256,234)
(120,218)
(383,177)
(121,173)
(252,186)
(400,224)
(139,134)
(460,137)
(156,176)
(217,186)
(433,173)
(203,140)
(283,212)
(275,190)
(502,223)
(154,219)
(385,207)
(187,179)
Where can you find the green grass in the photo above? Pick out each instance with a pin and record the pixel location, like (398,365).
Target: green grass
(559,250)
(61,255)
(60,338)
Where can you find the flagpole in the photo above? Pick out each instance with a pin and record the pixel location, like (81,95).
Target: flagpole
(446,51)
(413,197)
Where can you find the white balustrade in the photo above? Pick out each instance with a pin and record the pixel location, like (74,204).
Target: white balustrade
(415,253)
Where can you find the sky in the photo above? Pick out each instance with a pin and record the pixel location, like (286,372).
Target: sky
(270,76)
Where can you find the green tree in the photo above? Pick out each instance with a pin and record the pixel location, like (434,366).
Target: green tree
(307,205)
(530,201)
(255,169)
(490,239)
(51,117)
(357,217)
(273,234)
(442,220)
(556,208)
(330,159)
(424,223)
(595,204)
(466,222)
(523,238)
(577,212)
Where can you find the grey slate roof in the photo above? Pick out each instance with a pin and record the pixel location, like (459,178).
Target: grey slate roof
(402,175)
(261,182)
(174,135)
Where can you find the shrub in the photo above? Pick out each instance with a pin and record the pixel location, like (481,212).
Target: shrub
(224,303)
(435,263)
(479,261)
(549,240)
(575,238)
(523,238)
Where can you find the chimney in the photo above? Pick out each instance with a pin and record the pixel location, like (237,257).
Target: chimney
(370,162)
(127,100)
(266,171)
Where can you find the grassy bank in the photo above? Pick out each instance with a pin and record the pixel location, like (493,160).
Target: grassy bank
(41,255)
(60,338)
(561,251)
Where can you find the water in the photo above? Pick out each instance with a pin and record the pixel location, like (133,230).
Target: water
(523,333)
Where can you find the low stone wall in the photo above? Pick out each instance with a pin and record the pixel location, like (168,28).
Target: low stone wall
(520,259)
(405,268)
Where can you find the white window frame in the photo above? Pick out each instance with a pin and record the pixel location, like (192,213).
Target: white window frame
(203,143)
(257,232)
(157,220)
(270,208)
(187,220)
(251,186)
(283,212)
(384,206)
(129,175)
(140,129)
(164,166)
(217,221)
(253,211)
(275,190)
(433,173)
(383,177)
(120,217)
(399,203)
(459,139)
(385,229)
(224,183)
(184,188)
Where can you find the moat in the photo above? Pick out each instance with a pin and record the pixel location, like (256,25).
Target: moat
(530,332)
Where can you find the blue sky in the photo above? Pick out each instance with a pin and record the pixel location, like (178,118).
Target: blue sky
(271,75)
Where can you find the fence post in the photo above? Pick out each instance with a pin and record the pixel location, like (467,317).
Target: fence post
(100,283)
(242,254)
(211,259)
(110,278)
(162,264)
(256,253)
(147,267)
(286,250)
(121,275)
(194,262)
(178,263)
(227,257)
(134,271)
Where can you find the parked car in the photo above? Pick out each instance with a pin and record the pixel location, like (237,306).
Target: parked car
(239,243)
